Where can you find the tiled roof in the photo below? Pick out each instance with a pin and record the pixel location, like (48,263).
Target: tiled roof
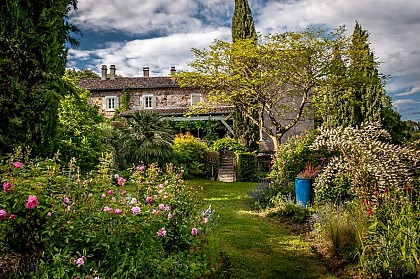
(96,84)
(179,111)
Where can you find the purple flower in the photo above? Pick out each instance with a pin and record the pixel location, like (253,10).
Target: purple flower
(3,214)
(149,199)
(167,208)
(133,200)
(194,231)
(66,200)
(135,210)
(118,211)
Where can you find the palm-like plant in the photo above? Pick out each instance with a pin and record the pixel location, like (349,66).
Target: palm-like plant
(147,137)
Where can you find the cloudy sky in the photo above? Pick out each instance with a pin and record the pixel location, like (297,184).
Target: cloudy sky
(158,34)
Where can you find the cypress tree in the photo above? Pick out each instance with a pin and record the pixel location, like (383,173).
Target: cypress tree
(242,22)
(367,90)
(32,63)
(243,28)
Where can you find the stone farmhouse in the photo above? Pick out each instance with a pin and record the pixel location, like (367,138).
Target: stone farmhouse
(164,96)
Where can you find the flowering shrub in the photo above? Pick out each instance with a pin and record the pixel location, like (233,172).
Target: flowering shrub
(148,225)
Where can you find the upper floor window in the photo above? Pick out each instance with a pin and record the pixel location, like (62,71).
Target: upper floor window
(111,103)
(149,101)
(196,98)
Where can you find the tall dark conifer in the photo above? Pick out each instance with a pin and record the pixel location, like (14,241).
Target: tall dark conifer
(32,62)
(367,89)
(243,27)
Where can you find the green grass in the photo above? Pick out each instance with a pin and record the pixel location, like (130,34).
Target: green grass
(257,247)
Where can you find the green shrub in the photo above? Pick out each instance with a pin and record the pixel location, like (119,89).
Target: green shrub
(191,155)
(247,167)
(294,155)
(148,225)
(285,207)
(228,143)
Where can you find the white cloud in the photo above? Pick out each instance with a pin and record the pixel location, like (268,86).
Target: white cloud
(159,54)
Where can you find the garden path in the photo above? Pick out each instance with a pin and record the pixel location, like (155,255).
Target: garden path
(258,247)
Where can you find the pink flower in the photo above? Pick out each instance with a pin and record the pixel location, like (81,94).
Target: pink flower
(149,199)
(103,196)
(12,216)
(154,211)
(80,261)
(3,214)
(7,187)
(116,176)
(110,192)
(135,210)
(49,214)
(206,219)
(133,200)
(66,200)
(161,206)
(161,232)
(161,186)
(140,168)
(17,165)
(194,231)
(167,208)
(123,192)
(121,181)
(107,208)
(32,202)
(169,216)
(118,211)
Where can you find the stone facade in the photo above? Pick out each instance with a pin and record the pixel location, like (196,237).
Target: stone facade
(163,95)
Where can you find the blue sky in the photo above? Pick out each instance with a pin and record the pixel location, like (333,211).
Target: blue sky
(158,34)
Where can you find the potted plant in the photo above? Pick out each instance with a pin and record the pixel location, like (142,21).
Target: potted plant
(303,183)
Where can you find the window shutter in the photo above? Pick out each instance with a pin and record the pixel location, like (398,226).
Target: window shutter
(104,103)
(117,102)
(153,101)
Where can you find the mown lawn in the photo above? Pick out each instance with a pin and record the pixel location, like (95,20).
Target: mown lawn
(257,247)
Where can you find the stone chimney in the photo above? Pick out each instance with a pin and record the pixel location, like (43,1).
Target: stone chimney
(173,71)
(104,72)
(145,71)
(112,72)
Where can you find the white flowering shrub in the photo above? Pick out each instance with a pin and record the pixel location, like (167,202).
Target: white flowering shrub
(366,161)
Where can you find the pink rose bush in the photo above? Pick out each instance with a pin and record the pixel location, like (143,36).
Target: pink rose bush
(91,216)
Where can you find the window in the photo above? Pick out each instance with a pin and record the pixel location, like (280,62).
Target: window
(111,103)
(148,101)
(196,98)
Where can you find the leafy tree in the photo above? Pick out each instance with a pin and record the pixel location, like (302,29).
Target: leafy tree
(79,134)
(243,28)
(288,68)
(146,137)
(32,62)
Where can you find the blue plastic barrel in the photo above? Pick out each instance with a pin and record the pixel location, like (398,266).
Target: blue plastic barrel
(303,190)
